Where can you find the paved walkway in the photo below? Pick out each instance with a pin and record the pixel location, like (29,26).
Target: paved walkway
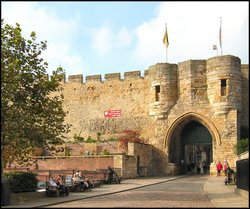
(220,195)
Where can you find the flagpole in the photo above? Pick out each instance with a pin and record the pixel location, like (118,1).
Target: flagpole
(166,54)
(166,46)
(220,35)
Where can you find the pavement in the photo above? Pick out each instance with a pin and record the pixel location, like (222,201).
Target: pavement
(220,195)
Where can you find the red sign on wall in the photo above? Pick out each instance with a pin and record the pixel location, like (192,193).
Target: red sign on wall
(112,113)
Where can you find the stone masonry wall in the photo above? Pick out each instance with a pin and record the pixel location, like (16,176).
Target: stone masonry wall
(162,102)
(87,102)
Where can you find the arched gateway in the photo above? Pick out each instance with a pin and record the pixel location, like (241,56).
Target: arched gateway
(190,141)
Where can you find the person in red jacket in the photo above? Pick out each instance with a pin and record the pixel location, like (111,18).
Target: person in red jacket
(225,166)
(219,167)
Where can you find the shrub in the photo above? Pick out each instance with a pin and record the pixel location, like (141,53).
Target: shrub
(68,151)
(21,181)
(90,140)
(105,152)
(78,139)
(130,136)
(242,146)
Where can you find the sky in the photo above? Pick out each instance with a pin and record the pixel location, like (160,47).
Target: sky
(97,38)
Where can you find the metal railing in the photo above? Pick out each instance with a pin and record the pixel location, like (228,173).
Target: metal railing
(78,156)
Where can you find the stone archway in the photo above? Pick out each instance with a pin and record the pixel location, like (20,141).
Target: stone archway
(174,144)
(185,118)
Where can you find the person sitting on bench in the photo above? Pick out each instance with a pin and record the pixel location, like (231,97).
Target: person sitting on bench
(78,181)
(52,182)
(85,181)
(60,184)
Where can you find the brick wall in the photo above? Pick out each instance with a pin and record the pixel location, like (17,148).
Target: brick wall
(77,163)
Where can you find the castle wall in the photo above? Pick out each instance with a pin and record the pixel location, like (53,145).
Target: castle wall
(87,102)
(212,92)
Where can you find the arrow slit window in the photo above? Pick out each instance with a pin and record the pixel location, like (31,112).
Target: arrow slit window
(223,87)
(157,93)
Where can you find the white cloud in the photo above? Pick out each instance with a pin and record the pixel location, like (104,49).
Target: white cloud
(49,26)
(123,38)
(102,41)
(150,46)
(72,63)
(105,39)
(193,28)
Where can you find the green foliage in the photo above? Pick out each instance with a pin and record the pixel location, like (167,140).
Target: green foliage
(68,151)
(98,136)
(32,112)
(78,139)
(242,146)
(111,140)
(21,181)
(90,140)
(105,152)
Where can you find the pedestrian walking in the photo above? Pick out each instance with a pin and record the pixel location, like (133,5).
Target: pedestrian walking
(219,167)
(204,166)
(225,166)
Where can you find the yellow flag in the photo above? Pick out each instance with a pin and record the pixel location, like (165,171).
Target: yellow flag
(165,39)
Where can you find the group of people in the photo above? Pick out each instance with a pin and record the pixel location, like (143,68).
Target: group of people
(222,167)
(200,167)
(58,182)
(81,181)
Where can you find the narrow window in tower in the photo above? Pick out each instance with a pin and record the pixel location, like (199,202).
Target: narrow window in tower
(157,93)
(223,87)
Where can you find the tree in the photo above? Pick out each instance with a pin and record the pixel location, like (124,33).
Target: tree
(32,114)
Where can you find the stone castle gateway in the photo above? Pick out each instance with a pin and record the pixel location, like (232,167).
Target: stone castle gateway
(189,112)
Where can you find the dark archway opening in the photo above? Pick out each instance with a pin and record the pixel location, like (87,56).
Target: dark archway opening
(190,146)
(196,145)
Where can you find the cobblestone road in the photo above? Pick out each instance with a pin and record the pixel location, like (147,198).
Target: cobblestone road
(184,192)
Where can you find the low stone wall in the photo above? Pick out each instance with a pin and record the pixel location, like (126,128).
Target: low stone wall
(137,161)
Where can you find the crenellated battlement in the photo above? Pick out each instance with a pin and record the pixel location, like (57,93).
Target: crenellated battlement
(112,76)
(132,74)
(107,77)
(93,78)
(171,71)
(75,78)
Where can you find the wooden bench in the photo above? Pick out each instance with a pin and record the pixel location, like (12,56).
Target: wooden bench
(55,190)
(73,187)
(95,183)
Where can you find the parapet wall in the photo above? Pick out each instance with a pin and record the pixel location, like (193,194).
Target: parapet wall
(107,77)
